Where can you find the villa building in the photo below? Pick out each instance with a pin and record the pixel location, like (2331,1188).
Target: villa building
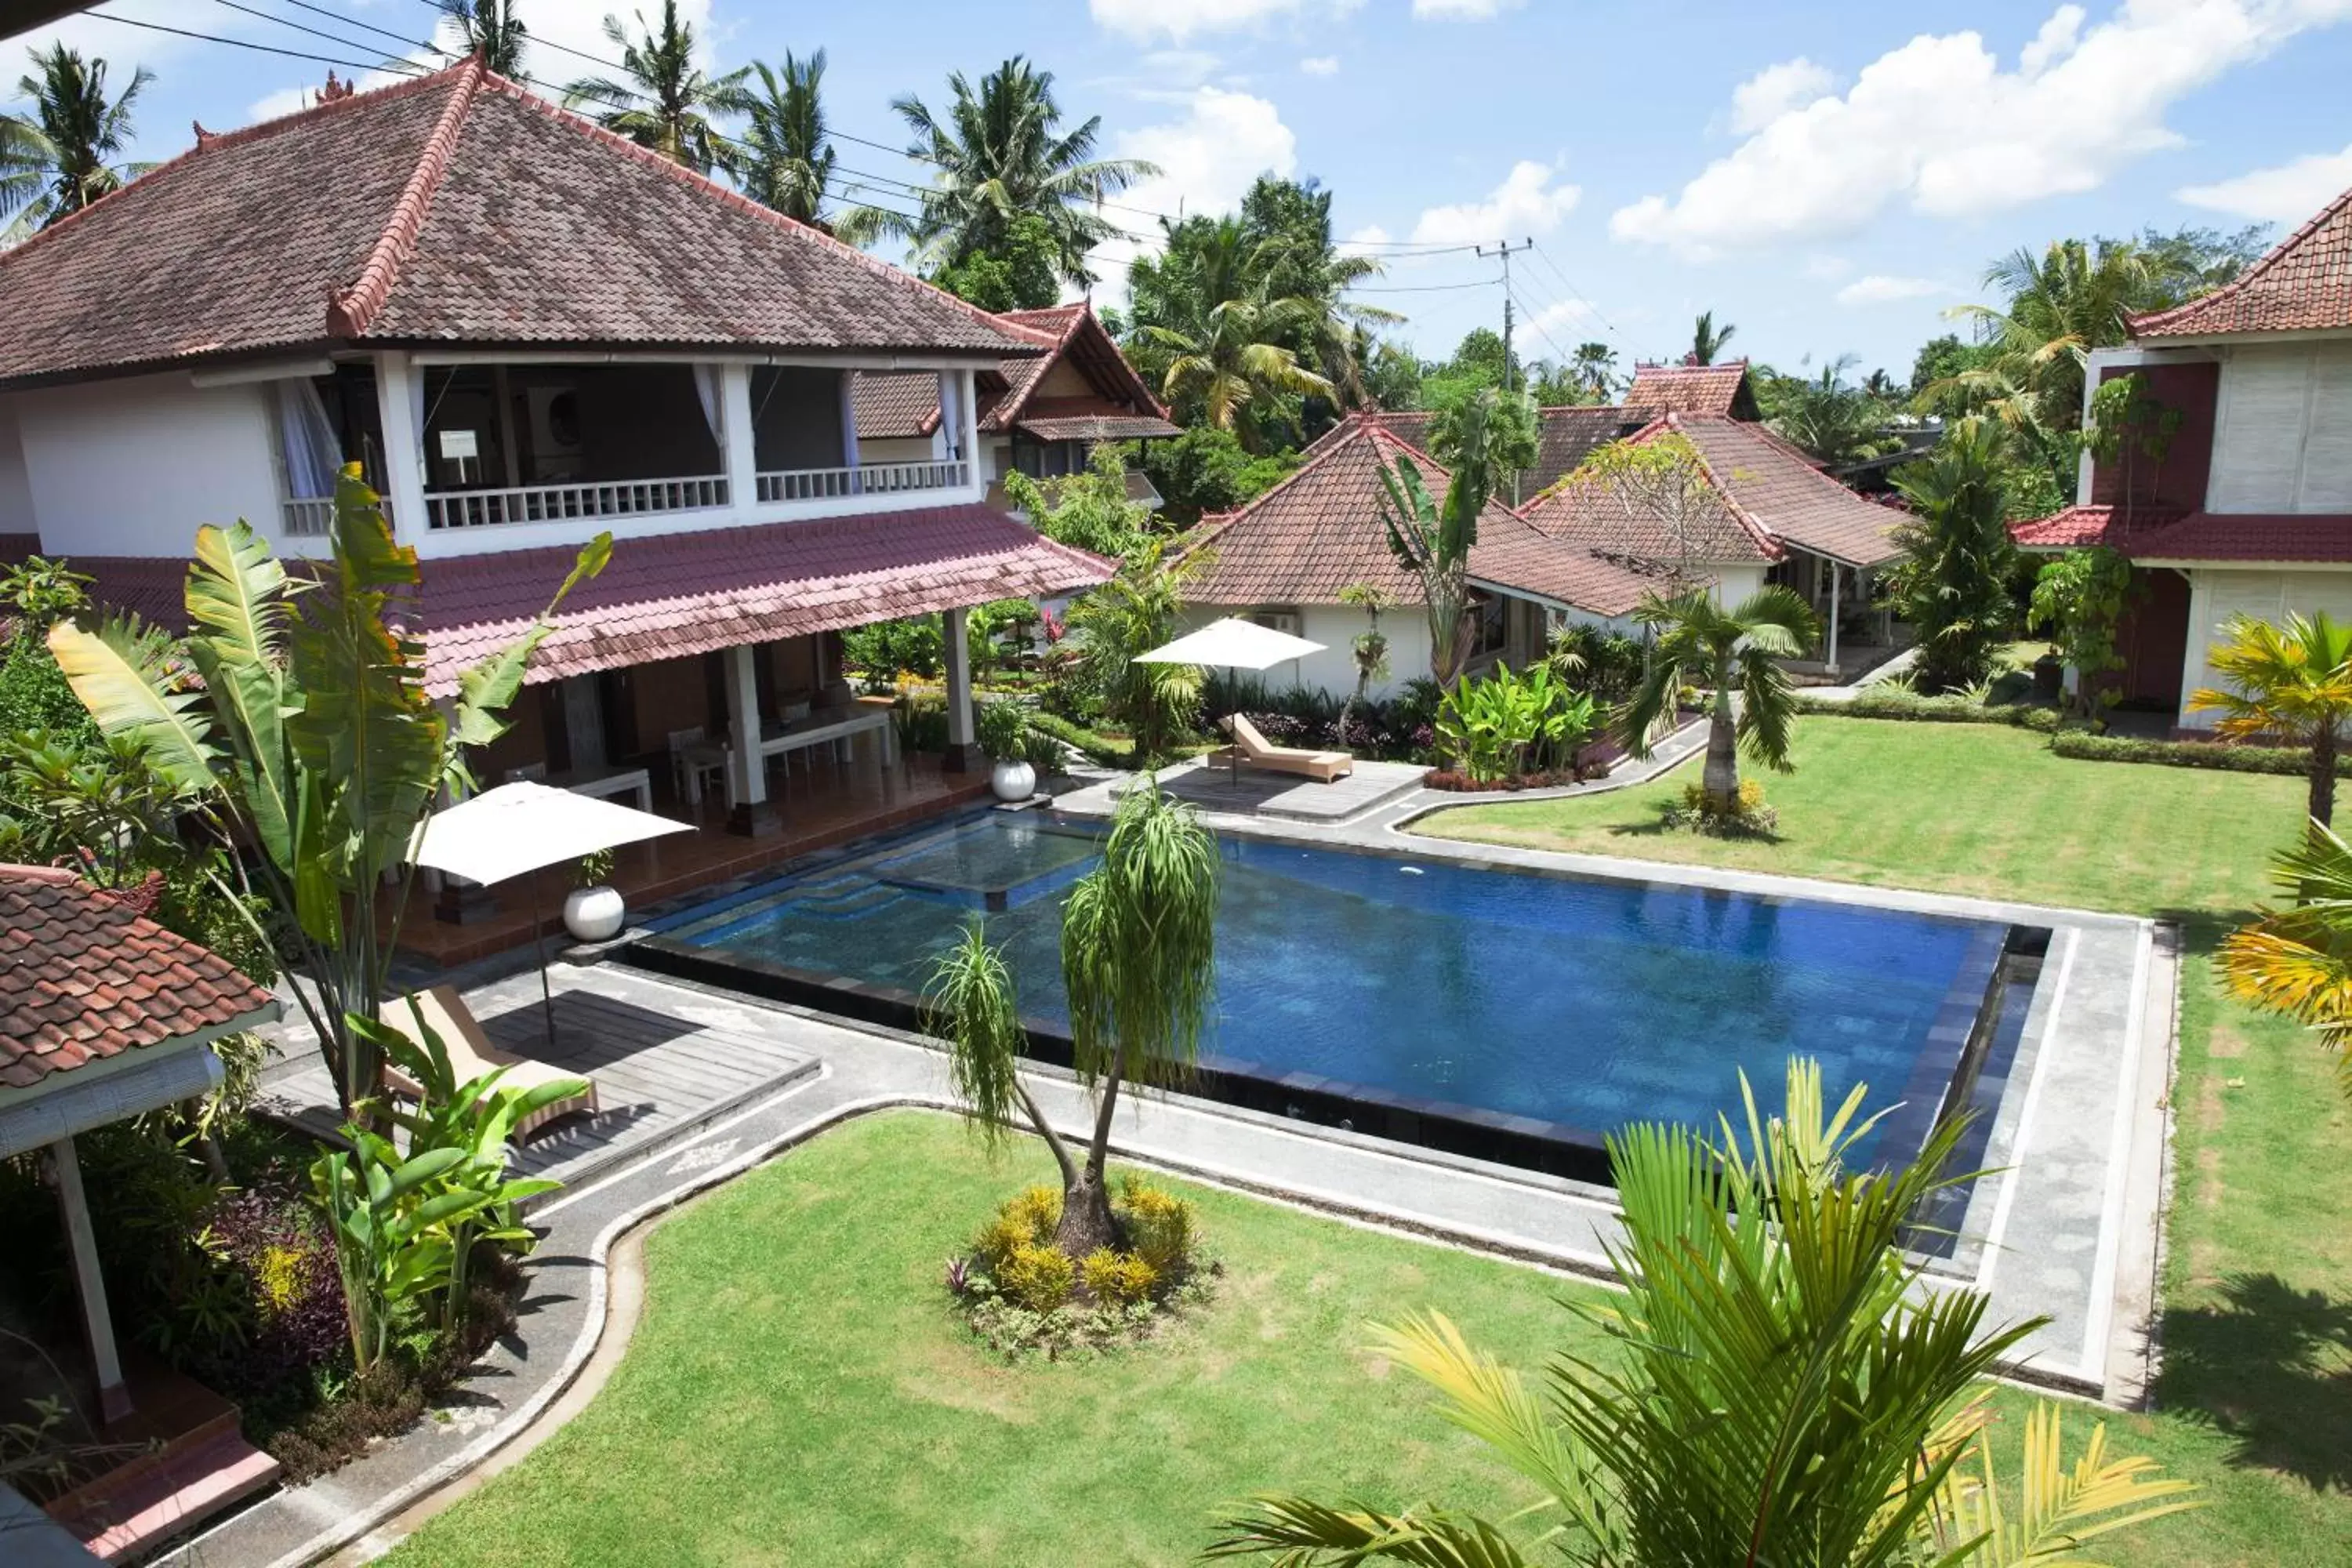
(2248,508)
(527,331)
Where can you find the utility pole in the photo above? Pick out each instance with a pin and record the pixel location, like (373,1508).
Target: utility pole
(1504,252)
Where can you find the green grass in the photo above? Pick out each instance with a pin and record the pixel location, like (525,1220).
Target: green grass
(2255,1402)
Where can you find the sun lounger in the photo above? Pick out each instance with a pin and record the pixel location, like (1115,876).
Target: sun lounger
(471,1056)
(1321,766)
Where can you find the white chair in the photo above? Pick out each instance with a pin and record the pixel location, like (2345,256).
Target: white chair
(692,757)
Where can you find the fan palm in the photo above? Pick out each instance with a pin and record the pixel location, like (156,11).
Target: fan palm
(790,158)
(67,152)
(666,101)
(2292,683)
(491,29)
(2298,960)
(1952,583)
(1728,651)
(1784,1390)
(1707,339)
(999,156)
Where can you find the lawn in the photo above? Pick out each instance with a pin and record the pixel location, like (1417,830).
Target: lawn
(2255,1402)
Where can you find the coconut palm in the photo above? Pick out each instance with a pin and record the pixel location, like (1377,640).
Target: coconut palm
(1782,1390)
(66,151)
(2298,960)
(791,157)
(1707,339)
(666,101)
(1731,652)
(1236,368)
(998,155)
(2290,683)
(1139,948)
(1952,583)
(491,29)
(1594,367)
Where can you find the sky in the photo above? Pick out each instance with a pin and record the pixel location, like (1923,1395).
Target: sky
(1829,178)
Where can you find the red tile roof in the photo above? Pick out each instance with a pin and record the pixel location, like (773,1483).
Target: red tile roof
(2080,527)
(2214,536)
(1601,518)
(896,404)
(1092,424)
(83,975)
(1564,436)
(1717,389)
(1320,531)
(1075,336)
(1779,488)
(2305,284)
(455,208)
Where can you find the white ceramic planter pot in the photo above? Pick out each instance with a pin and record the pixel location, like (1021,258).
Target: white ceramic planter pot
(1013,780)
(595,914)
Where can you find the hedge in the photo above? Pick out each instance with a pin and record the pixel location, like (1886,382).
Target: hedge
(1897,703)
(1096,749)
(2293,761)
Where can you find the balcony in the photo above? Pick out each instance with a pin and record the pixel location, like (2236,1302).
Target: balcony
(869,480)
(566,503)
(308,517)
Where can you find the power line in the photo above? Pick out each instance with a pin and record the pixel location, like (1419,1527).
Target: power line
(320,33)
(1430,287)
(1574,293)
(245,44)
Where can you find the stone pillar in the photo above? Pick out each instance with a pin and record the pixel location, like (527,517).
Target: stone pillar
(90,1283)
(398,395)
(739,450)
(960,753)
(751,816)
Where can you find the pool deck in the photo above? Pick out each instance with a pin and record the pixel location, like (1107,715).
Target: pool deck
(1210,787)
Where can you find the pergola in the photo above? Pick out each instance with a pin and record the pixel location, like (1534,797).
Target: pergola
(104,1014)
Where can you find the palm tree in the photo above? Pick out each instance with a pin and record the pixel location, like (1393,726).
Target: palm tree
(1707,339)
(1831,419)
(1138,953)
(1700,643)
(1952,583)
(2292,683)
(667,102)
(1595,369)
(491,29)
(998,157)
(1236,369)
(791,157)
(67,152)
(2298,960)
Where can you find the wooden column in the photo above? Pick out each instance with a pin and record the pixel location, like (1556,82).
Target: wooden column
(90,1284)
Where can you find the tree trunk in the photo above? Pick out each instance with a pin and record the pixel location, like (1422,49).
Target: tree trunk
(2323,775)
(1086,1220)
(1721,780)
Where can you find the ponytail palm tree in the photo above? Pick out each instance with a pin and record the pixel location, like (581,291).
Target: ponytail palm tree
(66,151)
(2292,683)
(1138,947)
(1735,651)
(1784,1392)
(666,100)
(2298,960)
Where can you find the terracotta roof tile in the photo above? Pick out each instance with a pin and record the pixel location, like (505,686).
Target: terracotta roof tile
(1594,516)
(1779,487)
(2214,536)
(2305,284)
(460,208)
(83,976)
(896,404)
(1564,436)
(2079,526)
(1717,389)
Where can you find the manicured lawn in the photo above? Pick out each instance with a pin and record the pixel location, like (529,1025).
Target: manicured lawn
(2255,1403)
(798,1392)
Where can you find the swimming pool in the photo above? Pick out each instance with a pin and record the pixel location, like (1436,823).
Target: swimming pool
(1500,1012)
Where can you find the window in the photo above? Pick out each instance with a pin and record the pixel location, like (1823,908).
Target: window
(1493,629)
(1278,620)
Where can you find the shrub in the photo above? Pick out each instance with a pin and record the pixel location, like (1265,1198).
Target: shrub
(1117,1279)
(1001,729)
(1095,748)
(887,647)
(921,724)
(1049,756)
(2293,761)
(1747,817)
(1028,1218)
(1897,703)
(1160,1226)
(1039,1278)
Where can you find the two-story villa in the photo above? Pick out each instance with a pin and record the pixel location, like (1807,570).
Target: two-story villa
(2249,509)
(527,331)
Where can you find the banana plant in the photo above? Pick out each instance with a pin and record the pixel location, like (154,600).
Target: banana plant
(391,1217)
(297,709)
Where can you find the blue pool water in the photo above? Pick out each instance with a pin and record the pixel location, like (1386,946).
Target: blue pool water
(1495,995)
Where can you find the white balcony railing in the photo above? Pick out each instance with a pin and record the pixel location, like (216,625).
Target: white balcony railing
(873,480)
(563,504)
(308,517)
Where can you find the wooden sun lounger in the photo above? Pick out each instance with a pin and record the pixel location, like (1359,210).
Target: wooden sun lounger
(471,1055)
(1255,749)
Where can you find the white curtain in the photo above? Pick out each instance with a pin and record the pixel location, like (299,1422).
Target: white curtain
(952,412)
(707,388)
(313,454)
(416,411)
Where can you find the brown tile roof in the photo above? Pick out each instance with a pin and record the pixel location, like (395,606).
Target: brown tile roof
(896,404)
(1595,516)
(455,208)
(1096,423)
(2079,526)
(1779,487)
(1320,530)
(2239,536)
(2305,284)
(900,406)
(83,976)
(1564,436)
(1717,389)
(1074,335)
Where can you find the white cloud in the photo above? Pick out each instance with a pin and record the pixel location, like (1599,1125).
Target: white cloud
(1370,234)
(2288,193)
(1878,289)
(1777,90)
(1207,160)
(1564,316)
(1191,19)
(1525,202)
(1825,269)
(1939,125)
(1320,65)
(1462,10)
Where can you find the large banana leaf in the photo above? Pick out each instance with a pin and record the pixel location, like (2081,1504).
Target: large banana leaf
(123,673)
(236,598)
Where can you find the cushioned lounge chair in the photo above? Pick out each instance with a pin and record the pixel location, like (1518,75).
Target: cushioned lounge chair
(471,1056)
(1258,752)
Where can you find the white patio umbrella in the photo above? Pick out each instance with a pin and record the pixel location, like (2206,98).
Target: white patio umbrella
(522,826)
(1233,644)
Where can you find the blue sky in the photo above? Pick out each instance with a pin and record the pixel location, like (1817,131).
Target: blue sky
(1829,177)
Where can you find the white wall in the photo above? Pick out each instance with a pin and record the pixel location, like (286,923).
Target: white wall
(16,493)
(1735,583)
(2283,432)
(1336,626)
(134,467)
(2216,595)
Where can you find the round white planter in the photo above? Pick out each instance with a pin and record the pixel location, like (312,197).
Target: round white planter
(1013,780)
(595,914)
